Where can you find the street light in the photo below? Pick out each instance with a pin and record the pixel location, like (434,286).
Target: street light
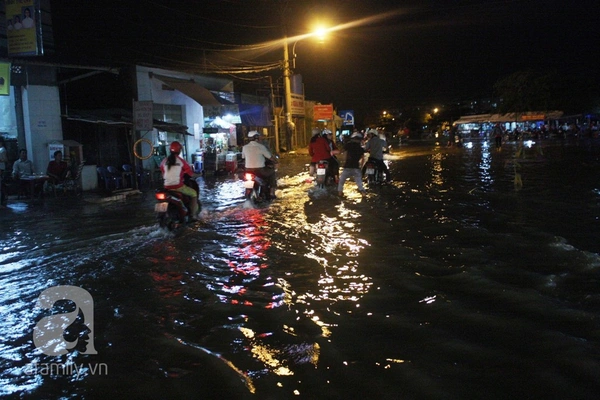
(287,74)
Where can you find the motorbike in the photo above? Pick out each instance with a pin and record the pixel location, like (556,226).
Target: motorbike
(172,207)
(257,189)
(322,173)
(373,172)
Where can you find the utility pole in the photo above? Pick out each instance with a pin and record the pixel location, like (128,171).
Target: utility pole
(289,125)
(275,115)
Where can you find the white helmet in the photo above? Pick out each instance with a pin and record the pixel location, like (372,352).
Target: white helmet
(326,132)
(316,131)
(372,131)
(253,134)
(356,135)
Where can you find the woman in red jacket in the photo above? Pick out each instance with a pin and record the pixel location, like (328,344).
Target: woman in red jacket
(174,168)
(318,149)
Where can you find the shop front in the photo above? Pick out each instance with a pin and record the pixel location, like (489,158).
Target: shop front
(219,145)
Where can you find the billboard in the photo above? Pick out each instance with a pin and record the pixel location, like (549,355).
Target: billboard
(23,28)
(298,104)
(323,111)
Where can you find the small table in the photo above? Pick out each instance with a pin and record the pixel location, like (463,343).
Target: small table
(32,181)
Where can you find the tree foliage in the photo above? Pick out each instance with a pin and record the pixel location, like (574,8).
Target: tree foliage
(531,90)
(526,90)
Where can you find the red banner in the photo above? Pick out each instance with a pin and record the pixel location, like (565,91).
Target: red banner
(323,111)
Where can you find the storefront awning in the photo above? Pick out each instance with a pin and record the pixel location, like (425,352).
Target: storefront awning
(509,117)
(255,115)
(195,91)
(121,117)
(473,119)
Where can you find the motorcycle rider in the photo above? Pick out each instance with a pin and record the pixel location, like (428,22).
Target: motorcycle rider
(374,146)
(255,154)
(174,168)
(318,149)
(334,165)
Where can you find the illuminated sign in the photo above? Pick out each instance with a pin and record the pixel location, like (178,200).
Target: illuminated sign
(323,111)
(347,117)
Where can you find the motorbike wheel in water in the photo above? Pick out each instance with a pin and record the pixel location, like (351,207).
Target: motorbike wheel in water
(371,172)
(249,187)
(321,174)
(255,189)
(170,219)
(170,210)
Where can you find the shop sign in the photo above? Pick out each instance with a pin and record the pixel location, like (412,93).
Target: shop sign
(323,111)
(298,104)
(532,117)
(347,117)
(4,79)
(142,115)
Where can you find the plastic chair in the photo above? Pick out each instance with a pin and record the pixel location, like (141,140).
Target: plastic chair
(71,183)
(107,178)
(116,176)
(128,173)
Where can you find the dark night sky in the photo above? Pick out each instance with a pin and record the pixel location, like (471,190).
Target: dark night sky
(392,53)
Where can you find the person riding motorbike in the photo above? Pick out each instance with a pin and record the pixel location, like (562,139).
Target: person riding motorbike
(174,168)
(318,149)
(255,154)
(374,146)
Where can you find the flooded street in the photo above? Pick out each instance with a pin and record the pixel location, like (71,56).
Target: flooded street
(450,282)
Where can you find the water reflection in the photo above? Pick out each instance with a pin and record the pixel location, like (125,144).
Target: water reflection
(415,288)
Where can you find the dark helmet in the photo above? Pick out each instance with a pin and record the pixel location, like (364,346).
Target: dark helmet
(175,147)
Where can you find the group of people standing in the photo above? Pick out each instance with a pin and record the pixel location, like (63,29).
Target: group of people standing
(323,147)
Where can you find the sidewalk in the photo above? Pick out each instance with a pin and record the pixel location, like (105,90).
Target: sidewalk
(117,195)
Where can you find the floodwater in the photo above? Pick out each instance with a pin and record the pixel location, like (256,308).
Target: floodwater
(456,281)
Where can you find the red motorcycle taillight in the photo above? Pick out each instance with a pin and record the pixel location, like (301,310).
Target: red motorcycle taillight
(161,196)
(249,177)
(320,165)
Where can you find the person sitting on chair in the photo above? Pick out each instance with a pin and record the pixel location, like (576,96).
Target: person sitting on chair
(22,167)
(58,170)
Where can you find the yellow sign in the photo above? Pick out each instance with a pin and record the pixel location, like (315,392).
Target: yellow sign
(4,79)
(21,26)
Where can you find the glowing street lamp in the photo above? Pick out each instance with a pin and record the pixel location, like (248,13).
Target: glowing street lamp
(287,74)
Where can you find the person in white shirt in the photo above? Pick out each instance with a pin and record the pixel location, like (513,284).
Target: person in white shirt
(17,22)
(22,167)
(255,154)
(27,20)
